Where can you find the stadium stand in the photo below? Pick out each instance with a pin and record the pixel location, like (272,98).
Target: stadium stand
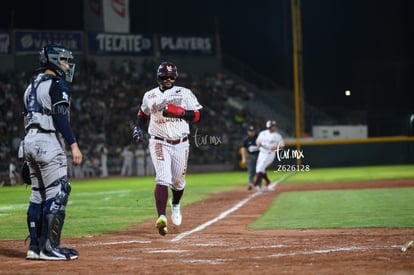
(104,108)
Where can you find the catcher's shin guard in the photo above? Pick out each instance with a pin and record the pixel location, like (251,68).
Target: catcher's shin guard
(34,224)
(54,216)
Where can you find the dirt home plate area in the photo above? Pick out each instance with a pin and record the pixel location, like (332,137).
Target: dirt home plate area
(214,239)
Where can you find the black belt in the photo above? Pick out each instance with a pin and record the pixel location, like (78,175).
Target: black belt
(38,130)
(173,142)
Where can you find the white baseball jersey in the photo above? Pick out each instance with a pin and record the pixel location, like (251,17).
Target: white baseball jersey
(153,104)
(269,142)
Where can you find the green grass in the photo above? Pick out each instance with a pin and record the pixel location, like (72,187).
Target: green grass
(344,208)
(352,174)
(98,206)
(340,209)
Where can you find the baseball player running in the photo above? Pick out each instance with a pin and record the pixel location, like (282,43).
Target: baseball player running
(268,142)
(169,109)
(46,110)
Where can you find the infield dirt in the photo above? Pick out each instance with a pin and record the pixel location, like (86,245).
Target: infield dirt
(228,247)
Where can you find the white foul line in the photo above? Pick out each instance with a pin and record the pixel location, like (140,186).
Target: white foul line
(115,243)
(332,250)
(219,217)
(225,213)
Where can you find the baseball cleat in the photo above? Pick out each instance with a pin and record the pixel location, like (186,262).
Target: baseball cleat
(59,254)
(272,186)
(161,224)
(258,188)
(407,245)
(32,255)
(176,214)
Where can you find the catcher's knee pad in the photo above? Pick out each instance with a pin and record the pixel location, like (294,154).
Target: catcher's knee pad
(34,222)
(62,197)
(54,216)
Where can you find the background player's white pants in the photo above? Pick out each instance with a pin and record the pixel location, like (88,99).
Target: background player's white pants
(264,160)
(170,162)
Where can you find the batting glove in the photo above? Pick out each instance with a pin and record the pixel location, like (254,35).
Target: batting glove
(137,134)
(172,110)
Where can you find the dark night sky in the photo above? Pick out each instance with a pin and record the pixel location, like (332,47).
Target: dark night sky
(361,45)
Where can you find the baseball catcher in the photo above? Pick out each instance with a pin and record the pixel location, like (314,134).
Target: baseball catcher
(47,127)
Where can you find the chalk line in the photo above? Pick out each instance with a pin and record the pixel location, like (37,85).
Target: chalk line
(225,213)
(331,250)
(115,243)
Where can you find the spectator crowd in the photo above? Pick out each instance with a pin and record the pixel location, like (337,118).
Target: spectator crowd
(104,107)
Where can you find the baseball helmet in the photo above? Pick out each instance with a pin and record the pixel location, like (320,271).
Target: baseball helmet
(167,69)
(50,57)
(270,123)
(251,128)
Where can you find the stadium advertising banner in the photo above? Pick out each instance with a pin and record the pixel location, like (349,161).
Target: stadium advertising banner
(199,45)
(120,44)
(29,42)
(116,15)
(4,42)
(106,15)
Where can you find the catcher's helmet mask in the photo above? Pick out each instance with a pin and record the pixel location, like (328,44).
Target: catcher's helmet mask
(50,57)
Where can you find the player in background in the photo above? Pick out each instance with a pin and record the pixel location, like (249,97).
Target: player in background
(268,141)
(47,126)
(169,109)
(249,154)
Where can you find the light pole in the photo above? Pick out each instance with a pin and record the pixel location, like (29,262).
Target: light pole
(297,72)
